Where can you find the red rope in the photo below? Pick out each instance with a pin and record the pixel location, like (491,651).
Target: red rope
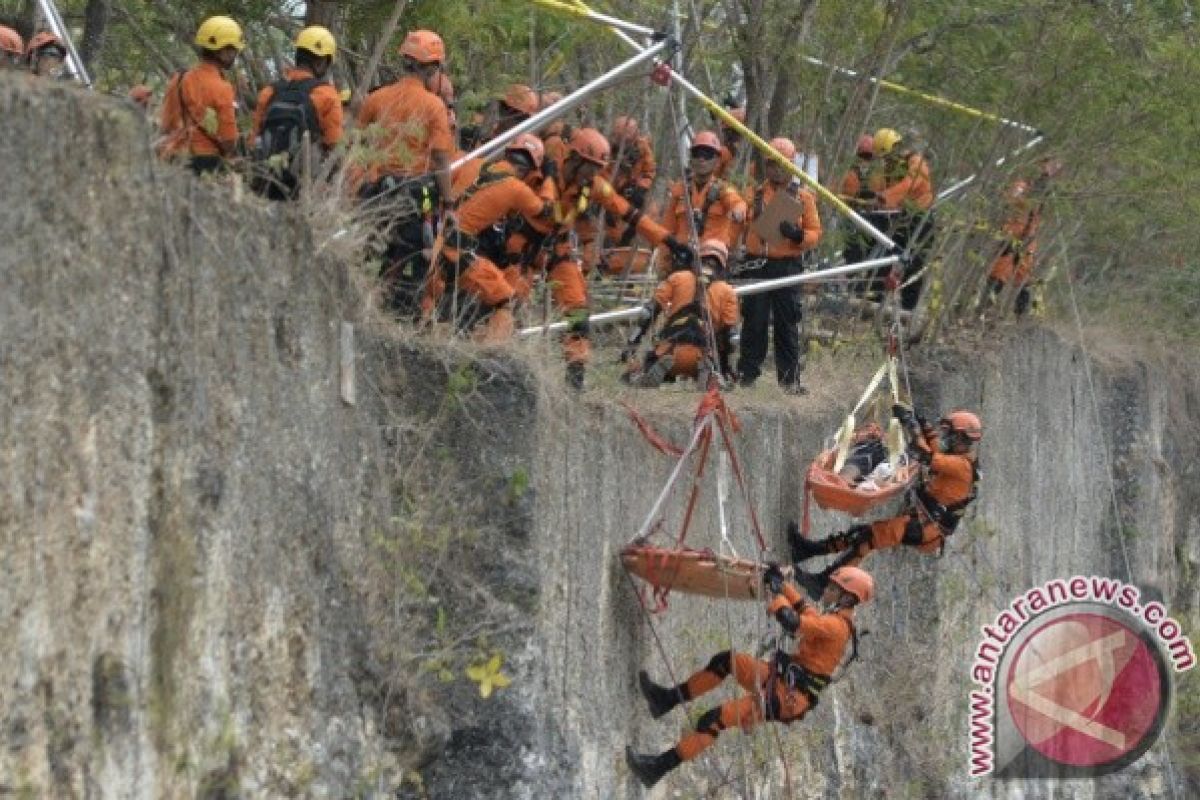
(659,442)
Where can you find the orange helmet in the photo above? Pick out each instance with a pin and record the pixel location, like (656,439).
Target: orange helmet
(707,139)
(855,581)
(785,147)
(548,99)
(590,145)
(714,248)
(424,47)
(530,145)
(965,423)
(443,88)
(625,128)
(141,95)
(866,146)
(520,97)
(43,40)
(11,42)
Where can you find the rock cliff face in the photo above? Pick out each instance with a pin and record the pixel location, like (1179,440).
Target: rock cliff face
(250,539)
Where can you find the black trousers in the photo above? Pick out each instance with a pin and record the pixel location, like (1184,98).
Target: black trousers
(913,233)
(777,312)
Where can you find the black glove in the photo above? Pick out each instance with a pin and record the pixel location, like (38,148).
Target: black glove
(683,255)
(549,168)
(773,579)
(791,230)
(635,194)
(903,413)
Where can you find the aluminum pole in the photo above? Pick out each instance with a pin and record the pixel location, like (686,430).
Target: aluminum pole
(929,98)
(770,152)
(55,21)
(620,315)
(580,10)
(965,182)
(569,102)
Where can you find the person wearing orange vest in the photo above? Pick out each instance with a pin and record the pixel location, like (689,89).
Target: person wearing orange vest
(315,51)
(859,188)
(198,111)
(781,690)
(857,184)
(631,174)
(1015,263)
(405,175)
(907,195)
(715,207)
(949,474)
(684,337)
(777,310)
(12,48)
(578,184)
(471,249)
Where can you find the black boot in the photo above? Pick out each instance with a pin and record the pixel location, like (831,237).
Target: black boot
(803,549)
(660,698)
(575,373)
(650,769)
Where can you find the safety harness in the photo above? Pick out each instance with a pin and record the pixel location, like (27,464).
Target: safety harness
(700,215)
(945,516)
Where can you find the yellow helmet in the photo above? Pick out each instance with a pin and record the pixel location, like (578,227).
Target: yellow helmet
(886,140)
(217,33)
(317,40)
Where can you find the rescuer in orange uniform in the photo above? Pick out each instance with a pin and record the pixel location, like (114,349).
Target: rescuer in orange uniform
(406,173)
(472,245)
(315,51)
(46,55)
(908,194)
(555,135)
(518,104)
(783,689)
(857,181)
(1015,263)
(198,121)
(859,188)
(684,338)
(631,174)
(12,48)
(578,183)
(778,309)
(716,207)
(946,487)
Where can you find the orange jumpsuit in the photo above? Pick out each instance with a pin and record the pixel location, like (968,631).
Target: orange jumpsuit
(1016,261)
(403,124)
(757,200)
(636,169)
(862,176)
(674,295)
(719,203)
(568,286)
(325,99)
(821,641)
(949,481)
(908,186)
(193,103)
(497,194)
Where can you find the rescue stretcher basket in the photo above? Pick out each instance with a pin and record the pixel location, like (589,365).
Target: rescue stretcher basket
(832,492)
(700,572)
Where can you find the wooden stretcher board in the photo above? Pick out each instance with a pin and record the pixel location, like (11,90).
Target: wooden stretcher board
(783,207)
(700,572)
(833,492)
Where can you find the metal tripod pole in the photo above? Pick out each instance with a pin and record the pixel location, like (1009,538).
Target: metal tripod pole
(1000,162)
(569,102)
(54,21)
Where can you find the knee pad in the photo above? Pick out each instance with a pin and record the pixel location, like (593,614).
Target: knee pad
(721,664)
(710,722)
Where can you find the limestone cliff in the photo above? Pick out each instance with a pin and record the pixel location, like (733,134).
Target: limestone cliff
(251,538)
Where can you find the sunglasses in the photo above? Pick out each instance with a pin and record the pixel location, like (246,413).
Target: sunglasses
(704,153)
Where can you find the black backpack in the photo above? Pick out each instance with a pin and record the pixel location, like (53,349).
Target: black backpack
(289,115)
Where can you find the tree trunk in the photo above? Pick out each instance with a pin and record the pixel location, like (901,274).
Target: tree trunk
(323,12)
(95,25)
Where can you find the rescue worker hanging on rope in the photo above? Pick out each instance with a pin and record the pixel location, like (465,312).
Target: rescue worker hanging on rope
(783,689)
(474,242)
(694,323)
(778,310)
(947,485)
(403,171)
(198,112)
(578,184)
(907,195)
(303,102)
(715,207)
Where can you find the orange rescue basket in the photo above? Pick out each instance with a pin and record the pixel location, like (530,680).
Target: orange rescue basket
(833,492)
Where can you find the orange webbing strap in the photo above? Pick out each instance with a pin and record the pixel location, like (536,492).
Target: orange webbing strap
(659,442)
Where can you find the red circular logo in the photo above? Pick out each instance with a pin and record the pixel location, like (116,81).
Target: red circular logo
(1086,690)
